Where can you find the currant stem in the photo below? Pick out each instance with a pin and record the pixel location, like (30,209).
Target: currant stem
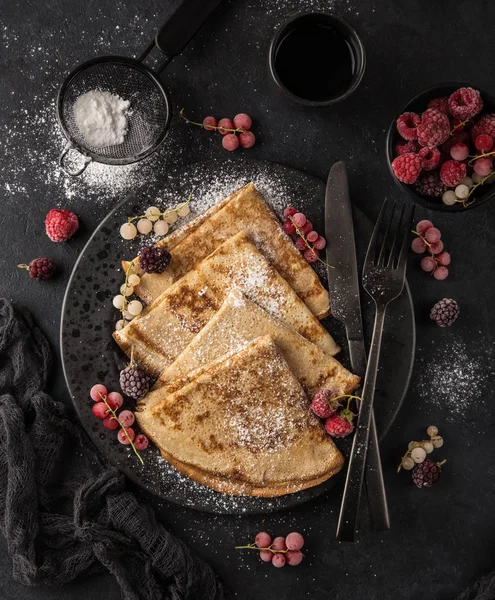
(461,124)
(307,244)
(162,214)
(126,285)
(24,267)
(210,127)
(255,547)
(484,155)
(114,414)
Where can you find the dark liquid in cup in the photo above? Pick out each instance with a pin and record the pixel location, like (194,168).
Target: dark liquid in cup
(315,62)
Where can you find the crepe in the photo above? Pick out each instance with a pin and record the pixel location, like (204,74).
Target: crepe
(167,326)
(244,427)
(238,322)
(245,210)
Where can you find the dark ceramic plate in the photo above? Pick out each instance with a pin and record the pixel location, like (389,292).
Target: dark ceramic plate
(90,355)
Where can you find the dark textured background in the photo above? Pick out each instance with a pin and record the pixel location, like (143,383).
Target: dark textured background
(442,539)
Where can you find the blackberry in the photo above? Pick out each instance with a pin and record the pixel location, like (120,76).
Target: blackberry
(134,382)
(426,474)
(154,259)
(445,312)
(430,185)
(40,268)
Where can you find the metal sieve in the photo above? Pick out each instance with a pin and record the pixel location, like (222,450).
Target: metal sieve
(149,113)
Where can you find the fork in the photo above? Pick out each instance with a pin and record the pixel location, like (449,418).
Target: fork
(384,273)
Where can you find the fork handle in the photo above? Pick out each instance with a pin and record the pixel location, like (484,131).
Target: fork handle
(375,486)
(349,509)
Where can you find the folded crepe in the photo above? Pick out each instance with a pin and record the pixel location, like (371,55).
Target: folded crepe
(245,210)
(244,427)
(169,324)
(238,322)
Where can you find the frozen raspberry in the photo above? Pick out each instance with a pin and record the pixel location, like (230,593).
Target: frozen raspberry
(452,172)
(485,124)
(445,312)
(407,167)
(459,152)
(40,268)
(61,224)
(322,404)
(426,473)
(430,157)
(134,382)
(337,426)
(484,143)
(465,103)
(430,185)
(154,259)
(411,146)
(434,128)
(440,104)
(406,125)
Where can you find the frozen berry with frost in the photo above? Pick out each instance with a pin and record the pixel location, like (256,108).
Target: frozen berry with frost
(61,224)
(299,220)
(320,243)
(134,382)
(209,123)
(428,264)
(486,125)
(430,185)
(404,148)
(432,235)
(434,128)
(40,268)
(126,417)
(126,435)
(430,158)
(462,191)
(443,259)
(441,273)
(154,259)
(426,474)
(445,312)
(484,143)
(465,103)
(289,227)
(247,139)
(418,245)
(460,137)
(338,426)
(483,167)
(449,198)
(440,104)
(306,228)
(294,557)
(263,539)
(242,121)
(100,410)
(97,392)
(436,247)
(230,142)
(225,126)
(300,244)
(141,442)
(115,400)
(278,560)
(289,211)
(452,172)
(407,167)
(279,543)
(266,555)
(423,226)
(294,541)
(128,231)
(418,454)
(322,404)
(407,124)
(110,422)
(311,255)
(459,152)
(312,236)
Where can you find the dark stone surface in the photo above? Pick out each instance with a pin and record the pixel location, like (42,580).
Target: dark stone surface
(442,539)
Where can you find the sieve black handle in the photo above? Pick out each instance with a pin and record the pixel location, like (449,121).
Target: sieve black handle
(181,27)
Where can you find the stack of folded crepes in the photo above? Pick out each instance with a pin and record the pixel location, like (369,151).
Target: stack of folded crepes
(232,333)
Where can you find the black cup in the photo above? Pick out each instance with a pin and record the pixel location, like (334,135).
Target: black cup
(336,28)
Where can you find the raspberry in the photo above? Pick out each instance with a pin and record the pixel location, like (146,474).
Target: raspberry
(465,103)
(440,104)
(411,146)
(431,158)
(337,426)
(445,312)
(485,124)
(61,224)
(430,185)
(134,382)
(322,405)
(407,167)
(40,268)
(154,259)
(452,172)
(406,125)
(434,128)
(426,473)
(484,143)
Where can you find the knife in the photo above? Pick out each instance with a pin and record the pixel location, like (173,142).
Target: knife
(343,286)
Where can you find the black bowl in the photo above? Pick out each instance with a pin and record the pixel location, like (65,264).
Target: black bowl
(418,105)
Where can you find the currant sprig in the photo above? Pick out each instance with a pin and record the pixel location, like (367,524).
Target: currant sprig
(210,127)
(308,244)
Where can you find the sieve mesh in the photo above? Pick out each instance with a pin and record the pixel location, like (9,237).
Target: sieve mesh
(147,117)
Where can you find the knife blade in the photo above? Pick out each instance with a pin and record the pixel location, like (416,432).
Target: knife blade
(343,287)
